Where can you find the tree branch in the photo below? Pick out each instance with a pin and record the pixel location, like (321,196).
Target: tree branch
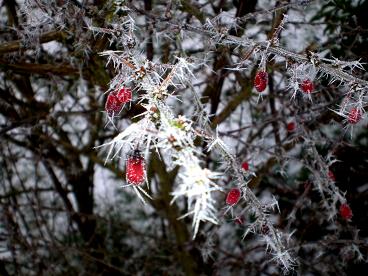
(17,44)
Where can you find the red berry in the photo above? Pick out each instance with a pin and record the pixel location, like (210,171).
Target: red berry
(307,86)
(291,127)
(245,166)
(135,168)
(345,211)
(261,81)
(239,220)
(331,175)
(124,95)
(233,196)
(113,105)
(354,116)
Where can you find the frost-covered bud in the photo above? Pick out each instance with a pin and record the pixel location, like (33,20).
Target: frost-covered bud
(261,81)
(307,86)
(233,196)
(355,115)
(124,95)
(135,168)
(130,42)
(345,211)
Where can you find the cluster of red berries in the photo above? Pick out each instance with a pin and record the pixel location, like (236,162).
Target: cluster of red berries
(234,194)
(307,86)
(354,116)
(261,81)
(116,100)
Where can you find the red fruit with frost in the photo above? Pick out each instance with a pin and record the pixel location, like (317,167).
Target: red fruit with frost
(233,196)
(239,220)
(291,127)
(112,105)
(331,175)
(307,86)
(354,116)
(261,81)
(124,95)
(245,166)
(345,211)
(135,168)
